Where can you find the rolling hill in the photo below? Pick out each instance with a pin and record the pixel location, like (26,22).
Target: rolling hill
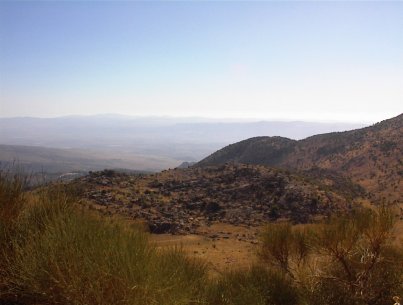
(183,200)
(371,156)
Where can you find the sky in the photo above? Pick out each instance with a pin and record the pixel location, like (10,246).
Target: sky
(306,60)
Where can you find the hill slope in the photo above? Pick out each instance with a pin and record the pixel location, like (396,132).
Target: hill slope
(182,200)
(371,156)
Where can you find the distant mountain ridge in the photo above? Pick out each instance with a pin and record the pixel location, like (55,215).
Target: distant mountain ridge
(370,156)
(139,143)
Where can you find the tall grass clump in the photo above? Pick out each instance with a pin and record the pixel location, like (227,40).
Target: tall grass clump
(61,254)
(349,260)
(53,251)
(256,286)
(12,197)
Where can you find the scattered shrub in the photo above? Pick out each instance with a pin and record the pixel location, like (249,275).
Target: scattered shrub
(54,252)
(348,260)
(257,286)
(62,254)
(12,198)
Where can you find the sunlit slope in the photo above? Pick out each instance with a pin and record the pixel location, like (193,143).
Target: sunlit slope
(371,156)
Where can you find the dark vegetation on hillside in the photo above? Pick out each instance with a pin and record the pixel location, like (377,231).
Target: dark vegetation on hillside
(333,181)
(182,200)
(371,156)
(55,252)
(258,150)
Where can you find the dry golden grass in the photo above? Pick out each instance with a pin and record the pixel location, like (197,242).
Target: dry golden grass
(225,252)
(62,253)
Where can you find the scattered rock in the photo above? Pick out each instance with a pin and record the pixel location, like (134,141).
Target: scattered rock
(179,201)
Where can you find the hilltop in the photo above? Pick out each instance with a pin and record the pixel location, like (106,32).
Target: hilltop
(371,156)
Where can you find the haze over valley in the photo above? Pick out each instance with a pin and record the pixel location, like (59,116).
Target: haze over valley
(82,143)
(201,152)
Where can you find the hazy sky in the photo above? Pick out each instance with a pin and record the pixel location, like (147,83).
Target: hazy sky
(286,60)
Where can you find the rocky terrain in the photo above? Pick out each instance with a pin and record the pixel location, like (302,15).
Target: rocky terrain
(258,180)
(371,156)
(184,200)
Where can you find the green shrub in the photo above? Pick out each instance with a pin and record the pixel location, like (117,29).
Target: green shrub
(349,260)
(286,247)
(62,254)
(54,252)
(257,286)
(12,197)
(12,200)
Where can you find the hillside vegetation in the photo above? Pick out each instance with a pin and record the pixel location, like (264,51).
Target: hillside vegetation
(371,156)
(185,200)
(55,252)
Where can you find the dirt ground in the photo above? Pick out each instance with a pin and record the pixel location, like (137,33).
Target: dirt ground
(399,233)
(225,247)
(222,246)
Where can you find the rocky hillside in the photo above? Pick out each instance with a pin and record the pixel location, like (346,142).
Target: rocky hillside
(371,156)
(182,200)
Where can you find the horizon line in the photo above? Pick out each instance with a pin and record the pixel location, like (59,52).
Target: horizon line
(246,119)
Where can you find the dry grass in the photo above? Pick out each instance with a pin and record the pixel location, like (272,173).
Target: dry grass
(56,252)
(60,254)
(228,251)
(349,260)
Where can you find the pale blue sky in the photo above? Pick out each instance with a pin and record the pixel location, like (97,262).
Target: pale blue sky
(338,61)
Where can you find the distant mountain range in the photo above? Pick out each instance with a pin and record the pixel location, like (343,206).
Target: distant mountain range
(371,156)
(139,143)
